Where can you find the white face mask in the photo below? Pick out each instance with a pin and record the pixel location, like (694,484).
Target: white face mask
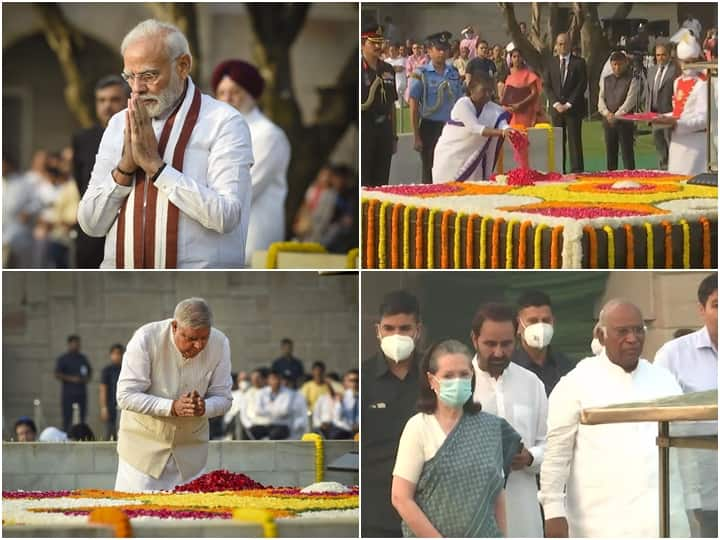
(538,335)
(397,347)
(596,347)
(243,385)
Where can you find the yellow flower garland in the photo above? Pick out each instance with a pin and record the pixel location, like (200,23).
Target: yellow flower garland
(537,244)
(352,258)
(319,454)
(294,247)
(261,517)
(406,236)
(483,241)
(431,238)
(509,243)
(611,245)
(686,243)
(650,247)
(382,231)
(456,241)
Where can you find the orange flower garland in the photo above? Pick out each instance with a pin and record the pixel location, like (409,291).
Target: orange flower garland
(668,243)
(592,238)
(522,241)
(495,246)
(705,241)
(419,237)
(445,239)
(370,244)
(394,236)
(554,246)
(114,517)
(629,246)
(469,241)
(457,262)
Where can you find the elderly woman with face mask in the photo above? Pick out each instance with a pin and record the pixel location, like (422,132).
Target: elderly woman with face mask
(471,140)
(453,459)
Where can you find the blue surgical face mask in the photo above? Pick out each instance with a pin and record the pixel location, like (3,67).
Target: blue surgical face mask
(454,392)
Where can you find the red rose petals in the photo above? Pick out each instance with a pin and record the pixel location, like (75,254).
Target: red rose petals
(622,175)
(582,213)
(416,189)
(35,494)
(520,144)
(528,177)
(220,480)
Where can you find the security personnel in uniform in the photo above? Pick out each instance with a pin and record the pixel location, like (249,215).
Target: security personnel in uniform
(379,136)
(434,89)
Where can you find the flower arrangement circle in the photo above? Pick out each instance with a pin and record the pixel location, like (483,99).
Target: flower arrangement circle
(643,187)
(579,210)
(638,174)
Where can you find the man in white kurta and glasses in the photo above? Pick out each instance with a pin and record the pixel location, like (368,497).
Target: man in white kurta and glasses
(175,376)
(171,184)
(602,480)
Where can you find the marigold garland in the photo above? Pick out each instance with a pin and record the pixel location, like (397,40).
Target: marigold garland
(509,243)
(705,241)
(394,236)
(261,517)
(431,238)
(457,261)
(610,245)
(668,243)
(319,454)
(291,247)
(406,236)
(495,247)
(483,242)
(629,246)
(370,244)
(419,237)
(445,239)
(114,517)
(537,245)
(351,261)
(555,246)
(592,240)
(649,239)
(469,241)
(522,244)
(686,243)
(382,233)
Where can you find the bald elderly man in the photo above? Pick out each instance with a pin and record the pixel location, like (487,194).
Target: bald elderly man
(240,84)
(602,480)
(171,184)
(175,376)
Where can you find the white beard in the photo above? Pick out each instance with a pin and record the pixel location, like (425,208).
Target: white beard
(157,104)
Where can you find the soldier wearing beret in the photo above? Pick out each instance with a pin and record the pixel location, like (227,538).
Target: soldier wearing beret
(379,135)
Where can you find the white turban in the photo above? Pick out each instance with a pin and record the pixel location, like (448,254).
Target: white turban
(688,47)
(52,434)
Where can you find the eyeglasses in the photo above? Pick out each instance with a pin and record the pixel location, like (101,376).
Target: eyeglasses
(146,77)
(624,331)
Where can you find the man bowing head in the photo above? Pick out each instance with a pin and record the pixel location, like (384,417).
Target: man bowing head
(171,183)
(175,375)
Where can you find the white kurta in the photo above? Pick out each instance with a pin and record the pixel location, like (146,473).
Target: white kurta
(152,360)
(213,193)
(518,396)
(693,360)
(458,145)
(610,470)
(688,143)
(271,150)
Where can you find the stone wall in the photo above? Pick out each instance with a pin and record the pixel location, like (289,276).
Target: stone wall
(254,309)
(74,465)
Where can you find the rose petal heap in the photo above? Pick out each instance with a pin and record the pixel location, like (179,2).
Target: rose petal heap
(220,480)
(528,177)
(520,144)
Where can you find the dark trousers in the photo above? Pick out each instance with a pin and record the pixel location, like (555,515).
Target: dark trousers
(430,131)
(67,403)
(89,251)
(274,432)
(572,140)
(622,134)
(661,138)
(111,425)
(708,523)
(376,149)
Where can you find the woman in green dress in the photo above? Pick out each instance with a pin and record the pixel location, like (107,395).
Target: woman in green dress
(453,459)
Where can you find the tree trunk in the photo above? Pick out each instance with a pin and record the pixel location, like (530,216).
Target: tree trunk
(275,29)
(65,41)
(184,16)
(595,49)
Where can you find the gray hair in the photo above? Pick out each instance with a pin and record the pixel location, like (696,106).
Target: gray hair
(607,308)
(193,313)
(176,44)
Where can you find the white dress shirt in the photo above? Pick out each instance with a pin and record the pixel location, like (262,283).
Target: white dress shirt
(348,403)
(518,396)
(604,478)
(271,150)
(213,193)
(275,408)
(693,360)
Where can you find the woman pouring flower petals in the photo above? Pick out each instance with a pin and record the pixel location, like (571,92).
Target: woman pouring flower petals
(453,459)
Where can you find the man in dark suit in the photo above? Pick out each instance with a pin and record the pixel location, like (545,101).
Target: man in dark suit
(565,82)
(658,97)
(111,95)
